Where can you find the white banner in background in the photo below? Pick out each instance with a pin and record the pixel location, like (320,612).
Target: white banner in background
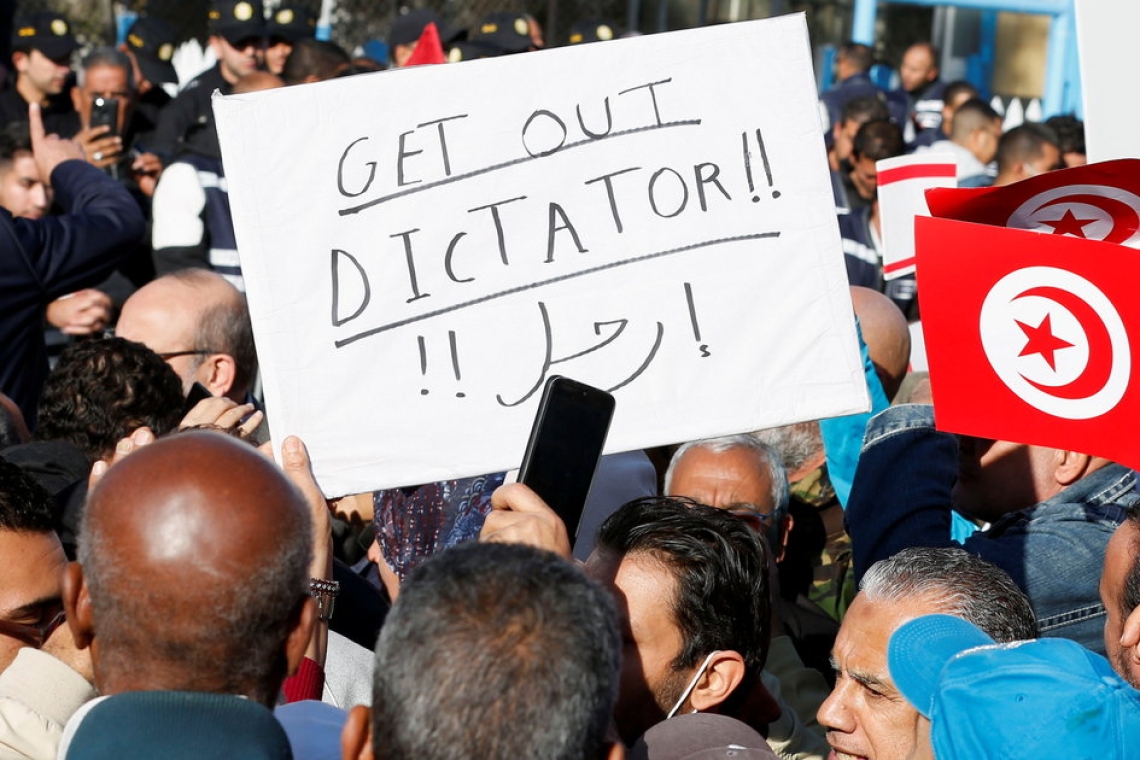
(903,182)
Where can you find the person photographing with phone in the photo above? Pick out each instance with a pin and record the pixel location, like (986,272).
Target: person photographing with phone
(104,97)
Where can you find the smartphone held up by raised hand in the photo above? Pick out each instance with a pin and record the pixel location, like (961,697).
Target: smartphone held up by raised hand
(565,444)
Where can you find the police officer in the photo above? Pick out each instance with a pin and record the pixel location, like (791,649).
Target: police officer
(42,44)
(237,37)
(287,25)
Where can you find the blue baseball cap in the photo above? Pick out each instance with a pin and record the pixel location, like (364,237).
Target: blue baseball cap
(1030,699)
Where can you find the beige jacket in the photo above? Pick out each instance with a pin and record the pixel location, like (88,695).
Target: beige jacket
(38,693)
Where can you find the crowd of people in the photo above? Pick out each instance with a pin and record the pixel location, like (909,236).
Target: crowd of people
(865,587)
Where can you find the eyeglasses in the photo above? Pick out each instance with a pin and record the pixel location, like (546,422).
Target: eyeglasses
(32,635)
(174,354)
(758,521)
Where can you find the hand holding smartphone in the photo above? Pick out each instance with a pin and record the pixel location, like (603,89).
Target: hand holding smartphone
(565,444)
(105,113)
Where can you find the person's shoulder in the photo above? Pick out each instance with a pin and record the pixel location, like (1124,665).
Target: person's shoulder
(205,82)
(13,107)
(933,91)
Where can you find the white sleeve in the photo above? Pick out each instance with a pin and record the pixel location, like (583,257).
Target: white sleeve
(177,208)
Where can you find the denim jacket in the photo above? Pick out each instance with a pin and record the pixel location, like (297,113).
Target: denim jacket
(1053,550)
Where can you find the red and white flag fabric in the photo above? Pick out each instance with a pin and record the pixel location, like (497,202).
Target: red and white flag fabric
(903,182)
(1093,202)
(1032,338)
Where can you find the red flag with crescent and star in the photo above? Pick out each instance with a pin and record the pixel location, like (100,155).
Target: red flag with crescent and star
(1032,337)
(1094,202)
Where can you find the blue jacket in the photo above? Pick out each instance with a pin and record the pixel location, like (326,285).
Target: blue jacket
(1053,550)
(43,259)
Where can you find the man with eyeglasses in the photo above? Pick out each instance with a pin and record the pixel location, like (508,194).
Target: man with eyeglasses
(745,477)
(43,676)
(199,323)
(738,473)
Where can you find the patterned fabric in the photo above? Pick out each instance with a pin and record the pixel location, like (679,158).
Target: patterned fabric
(833,586)
(415,522)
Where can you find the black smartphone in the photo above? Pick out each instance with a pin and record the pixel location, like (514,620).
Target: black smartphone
(198,392)
(105,113)
(565,444)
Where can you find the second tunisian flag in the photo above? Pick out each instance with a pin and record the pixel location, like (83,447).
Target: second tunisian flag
(1093,202)
(1032,338)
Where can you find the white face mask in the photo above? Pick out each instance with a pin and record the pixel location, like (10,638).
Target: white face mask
(692,684)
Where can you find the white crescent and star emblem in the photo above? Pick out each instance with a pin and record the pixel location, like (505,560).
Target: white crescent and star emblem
(1057,342)
(1092,212)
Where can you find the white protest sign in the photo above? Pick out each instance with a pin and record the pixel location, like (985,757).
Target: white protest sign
(422,248)
(903,182)
(1105,32)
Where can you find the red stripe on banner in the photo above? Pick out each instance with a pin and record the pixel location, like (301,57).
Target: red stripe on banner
(894,267)
(915,171)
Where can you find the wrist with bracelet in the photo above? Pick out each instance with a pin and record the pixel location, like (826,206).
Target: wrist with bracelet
(324,592)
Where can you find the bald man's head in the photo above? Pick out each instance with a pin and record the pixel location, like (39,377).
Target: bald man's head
(200,324)
(886,334)
(194,554)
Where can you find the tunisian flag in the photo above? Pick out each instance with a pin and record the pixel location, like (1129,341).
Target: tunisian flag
(1093,202)
(1032,338)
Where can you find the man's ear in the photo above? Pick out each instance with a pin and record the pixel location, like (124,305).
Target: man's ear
(787,523)
(298,641)
(77,100)
(1130,645)
(217,373)
(1070,467)
(77,606)
(720,679)
(356,737)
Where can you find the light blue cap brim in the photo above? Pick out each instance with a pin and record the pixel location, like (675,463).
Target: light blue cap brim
(920,649)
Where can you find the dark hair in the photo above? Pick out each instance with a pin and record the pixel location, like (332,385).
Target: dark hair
(720,566)
(1070,132)
(1024,143)
(10,432)
(318,58)
(14,139)
(865,108)
(971,115)
(957,88)
(24,505)
(102,390)
(857,54)
(496,651)
(110,57)
(960,583)
(878,140)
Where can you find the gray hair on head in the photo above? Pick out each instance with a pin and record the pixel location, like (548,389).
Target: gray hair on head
(772,461)
(960,583)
